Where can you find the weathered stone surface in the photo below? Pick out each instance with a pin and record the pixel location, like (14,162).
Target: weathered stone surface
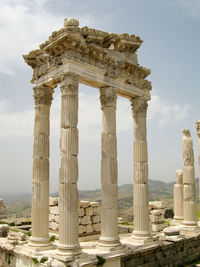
(96,227)
(54,210)
(86,220)
(189,202)
(157,204)
(95,219)
(82,229)
(84,204)
(4,229)
(54,226)
(158,227)
(94,204)
(89,228)
(81,212)
(53,201)
(89,211)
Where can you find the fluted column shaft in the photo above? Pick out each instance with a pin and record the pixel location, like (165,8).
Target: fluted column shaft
(198,134)
(178,197)
(40,181)
(189,203)
(68,192)
(109,209)
(141,197)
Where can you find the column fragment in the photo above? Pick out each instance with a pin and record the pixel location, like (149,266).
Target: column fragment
(68,192)
(109,210)
(178,198)
(141,199)
(40,182)
(189,203)
(198,134)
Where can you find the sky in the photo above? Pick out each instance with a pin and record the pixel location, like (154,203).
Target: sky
(170,31)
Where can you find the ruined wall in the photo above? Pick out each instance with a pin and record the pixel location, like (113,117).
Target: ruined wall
(89,216)
(179,253)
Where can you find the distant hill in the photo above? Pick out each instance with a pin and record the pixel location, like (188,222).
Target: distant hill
(20,204)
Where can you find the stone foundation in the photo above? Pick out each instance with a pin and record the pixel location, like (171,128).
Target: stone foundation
(89,217)
(179,253)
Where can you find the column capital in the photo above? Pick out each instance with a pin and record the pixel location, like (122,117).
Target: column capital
(69,83)
(197,124)
(108,96)
(139,106)
(43,95)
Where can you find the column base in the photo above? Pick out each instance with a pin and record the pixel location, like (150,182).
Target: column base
(39,244)
(68,251)
(178,220)
(108,242)
(190,223)
(141,237)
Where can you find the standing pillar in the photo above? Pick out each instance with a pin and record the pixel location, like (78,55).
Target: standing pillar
(178,198)
(141,198)
(189,203)
(68,192)
(198,134)
(109,210)
(40,183)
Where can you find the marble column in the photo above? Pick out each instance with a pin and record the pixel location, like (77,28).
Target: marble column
(40,183)
(198,134)
(189,202)
(178,197)
(68,176)
(141,196)
(109,209)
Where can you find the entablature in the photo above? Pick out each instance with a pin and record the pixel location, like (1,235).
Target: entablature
(103,56)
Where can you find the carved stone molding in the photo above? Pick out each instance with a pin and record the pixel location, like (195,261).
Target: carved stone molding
(114,54)
(197,124)
(108,96)
(69,84)
(139,106)
(43,95)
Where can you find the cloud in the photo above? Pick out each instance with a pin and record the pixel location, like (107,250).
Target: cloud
(21,123)
(164,112)
(23,26)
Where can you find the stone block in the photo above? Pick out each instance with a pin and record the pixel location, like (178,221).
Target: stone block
(158,227)
(86,220)
(53,201)
(51,217)
(54,210)
(97,227)
(156,218)
(94,204)
(81,212)
(89,211)
(56,218)
(96,211)
(84,203)
(81,229)
(95,219)
(4,229)
(54,226)
(89,228)
(157,204)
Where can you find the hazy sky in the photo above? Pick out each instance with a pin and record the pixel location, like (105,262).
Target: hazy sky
(171,33)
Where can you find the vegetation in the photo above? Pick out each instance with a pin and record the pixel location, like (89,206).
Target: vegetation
(101,260)
(35,260)
(43,259)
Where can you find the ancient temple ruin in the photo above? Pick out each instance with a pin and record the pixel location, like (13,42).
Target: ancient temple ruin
(108,62)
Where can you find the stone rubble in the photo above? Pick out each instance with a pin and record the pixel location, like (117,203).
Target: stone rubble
(88,215)
(156,215)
